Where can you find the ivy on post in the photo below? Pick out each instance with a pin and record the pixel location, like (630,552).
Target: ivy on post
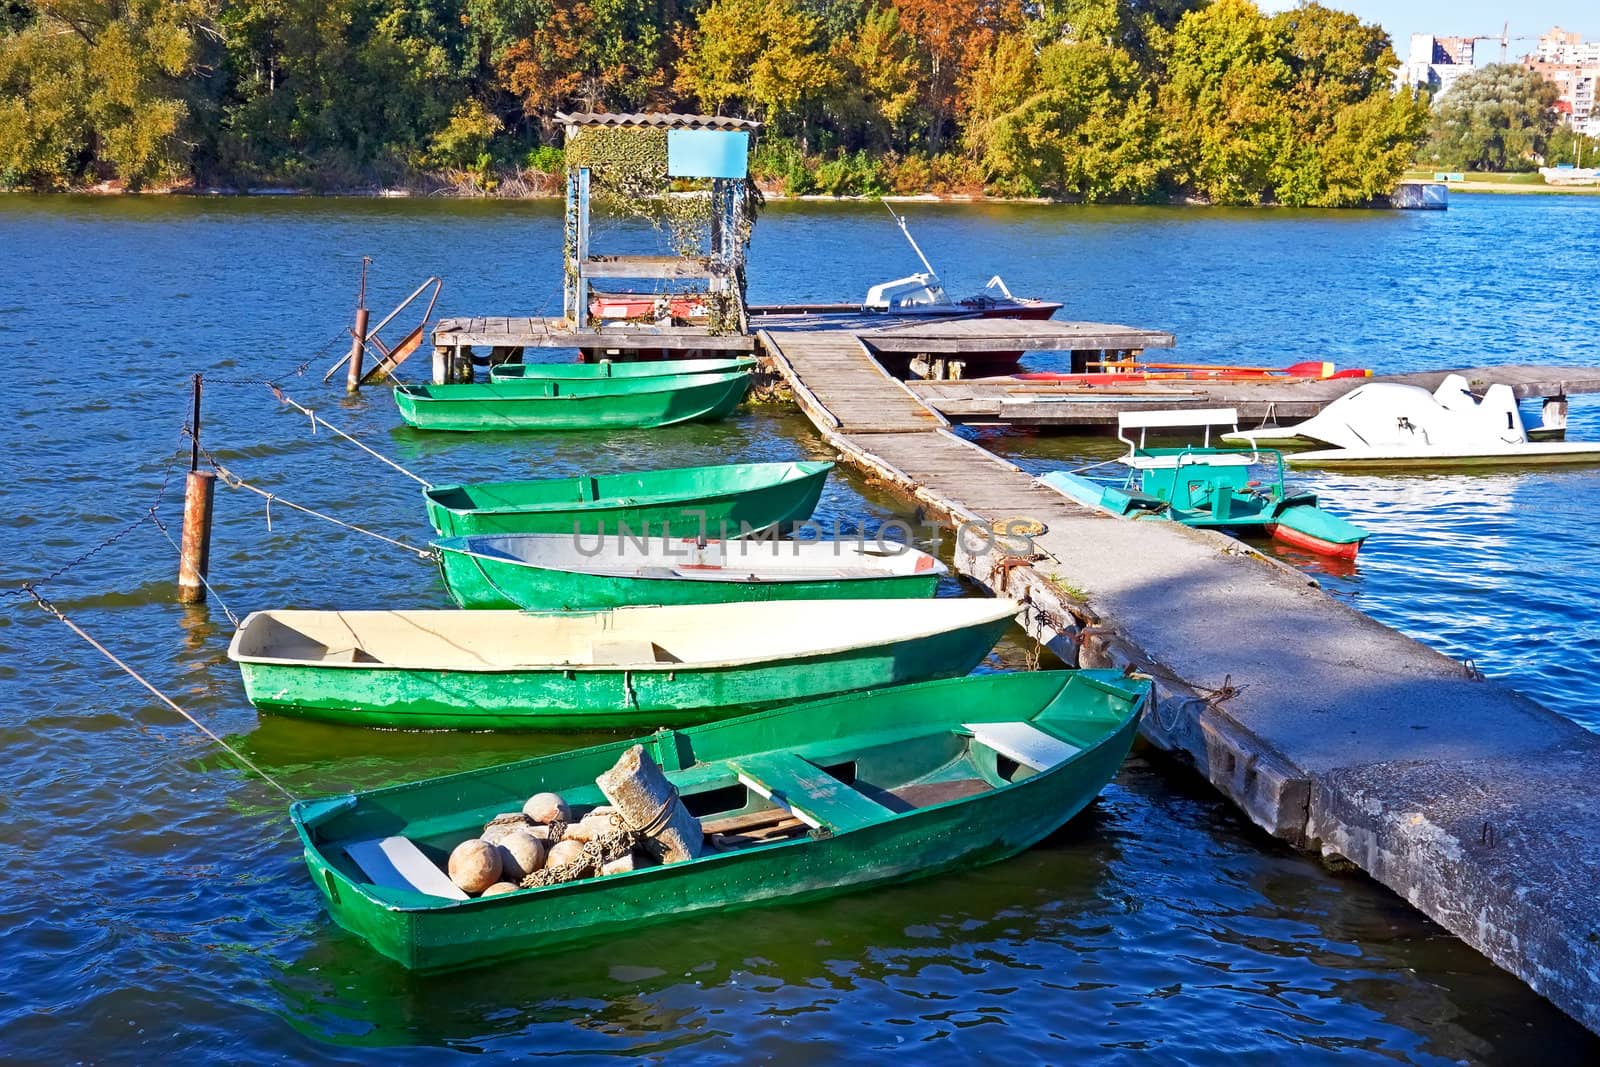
(685,175)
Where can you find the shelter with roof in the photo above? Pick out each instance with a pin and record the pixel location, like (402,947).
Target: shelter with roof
(689,176)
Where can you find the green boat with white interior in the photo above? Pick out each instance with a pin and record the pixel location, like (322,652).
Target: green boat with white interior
(655,368)
(728,500)
(797,803)
(573,404)
(1209,488)
(626,667)
(547,572)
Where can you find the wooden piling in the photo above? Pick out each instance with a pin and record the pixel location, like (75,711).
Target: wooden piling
(358,347)
(194,556)
(358,343)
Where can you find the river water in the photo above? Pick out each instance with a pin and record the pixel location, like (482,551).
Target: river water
(156,905)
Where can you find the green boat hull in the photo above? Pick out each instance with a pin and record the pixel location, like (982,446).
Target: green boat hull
(586,698)
(717,502)
(1098,710)
(663,368)
(476,581)
(584,404)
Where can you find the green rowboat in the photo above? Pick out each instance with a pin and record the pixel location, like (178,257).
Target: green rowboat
(581,404)
(867,790)
(627,667)
(659,368)
(556,571)
(731,500)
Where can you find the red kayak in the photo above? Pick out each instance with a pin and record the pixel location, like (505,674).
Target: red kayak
(1130,371)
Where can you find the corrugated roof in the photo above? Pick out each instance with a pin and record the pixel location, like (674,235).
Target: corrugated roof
(666,119)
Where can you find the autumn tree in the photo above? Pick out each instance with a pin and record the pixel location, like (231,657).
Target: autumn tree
(949,33)
(1494,118)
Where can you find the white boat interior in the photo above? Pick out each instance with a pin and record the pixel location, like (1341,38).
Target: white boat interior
(754,559)
(708,635)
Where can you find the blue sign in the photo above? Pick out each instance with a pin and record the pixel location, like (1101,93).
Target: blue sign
(707,153)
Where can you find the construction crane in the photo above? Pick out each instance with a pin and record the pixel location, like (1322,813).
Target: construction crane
(1504,37)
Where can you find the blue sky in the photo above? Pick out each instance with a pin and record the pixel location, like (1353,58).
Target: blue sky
(1465,18)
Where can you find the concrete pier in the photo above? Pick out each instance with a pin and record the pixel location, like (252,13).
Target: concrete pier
(1330,730)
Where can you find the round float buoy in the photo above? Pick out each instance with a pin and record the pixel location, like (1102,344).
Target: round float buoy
(501,826)
(562,853)
(475,865)
(501,887)
(546,808)
(520,856)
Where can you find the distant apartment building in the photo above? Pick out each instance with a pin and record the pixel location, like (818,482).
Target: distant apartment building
(1434,63)
(1574,66)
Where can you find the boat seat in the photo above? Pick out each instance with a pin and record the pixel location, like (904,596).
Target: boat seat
(1022,742)
(622,651)
(397,863)
(810,793)
(1126,500)
(353,654)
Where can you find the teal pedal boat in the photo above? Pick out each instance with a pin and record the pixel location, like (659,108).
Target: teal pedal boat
(1209,488)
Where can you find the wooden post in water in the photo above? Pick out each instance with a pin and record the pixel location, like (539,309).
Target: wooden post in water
(194,558)
(358,346)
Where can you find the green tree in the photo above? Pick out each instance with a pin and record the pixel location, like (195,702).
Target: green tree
(1494,118)
(1223,103)
(761,57)
(1075,119)
(1350,135)
(879,90)
(95,88)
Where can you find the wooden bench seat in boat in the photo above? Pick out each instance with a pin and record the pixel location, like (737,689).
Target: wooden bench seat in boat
(1023,742)
(625,650)
(397,863)
(814,796)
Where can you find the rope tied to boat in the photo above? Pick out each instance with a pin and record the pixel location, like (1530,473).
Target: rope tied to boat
(318,420)
(234,481)
(159,695)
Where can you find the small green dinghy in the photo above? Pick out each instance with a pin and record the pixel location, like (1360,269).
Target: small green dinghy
(797,803)
(627,667)
(730,500)
(659,368)
(559,571)
(572,404)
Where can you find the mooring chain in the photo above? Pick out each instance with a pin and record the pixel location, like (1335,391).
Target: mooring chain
(249,764)
(318,420)
(147,515)
(233,481)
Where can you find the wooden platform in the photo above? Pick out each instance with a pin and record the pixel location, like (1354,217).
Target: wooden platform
(521,332)
(1017,403)
(981,336)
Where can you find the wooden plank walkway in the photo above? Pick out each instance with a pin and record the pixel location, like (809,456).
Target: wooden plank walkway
(844,386)
(499,331)
(1333,732)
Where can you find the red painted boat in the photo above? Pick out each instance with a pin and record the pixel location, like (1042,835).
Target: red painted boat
(1129,371)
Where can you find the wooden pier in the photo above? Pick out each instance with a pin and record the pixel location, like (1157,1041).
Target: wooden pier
(1333,732)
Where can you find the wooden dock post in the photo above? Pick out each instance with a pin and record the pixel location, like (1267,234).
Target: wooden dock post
(358,343)
(194,557)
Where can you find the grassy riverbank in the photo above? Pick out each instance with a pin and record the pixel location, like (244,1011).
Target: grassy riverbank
(1505,182)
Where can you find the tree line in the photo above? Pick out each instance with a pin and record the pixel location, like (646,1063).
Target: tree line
(1098,100)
